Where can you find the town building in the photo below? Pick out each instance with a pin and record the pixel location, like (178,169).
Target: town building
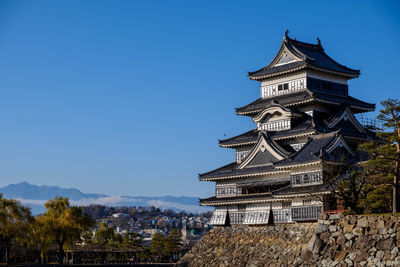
(305,125)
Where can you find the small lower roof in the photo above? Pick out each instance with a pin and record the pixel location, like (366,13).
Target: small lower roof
(236,199)
(285,99)
(305,128)
(231,170)
(302,190)
(312,151)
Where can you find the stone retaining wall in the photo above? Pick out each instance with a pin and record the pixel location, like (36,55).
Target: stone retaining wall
(334,241)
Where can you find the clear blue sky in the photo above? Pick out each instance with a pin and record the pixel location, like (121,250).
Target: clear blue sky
(130,97)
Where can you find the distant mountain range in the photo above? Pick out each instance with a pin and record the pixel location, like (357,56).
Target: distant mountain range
(35,197)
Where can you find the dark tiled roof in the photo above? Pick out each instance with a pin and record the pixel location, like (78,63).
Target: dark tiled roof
(231,170)
(265,182)
(300,96)
(311,56)
(349,100)
(222,171)
(312,151)
(278,69)
(292,190)
(214,199)
(252,136)
(299,128)
(285,99)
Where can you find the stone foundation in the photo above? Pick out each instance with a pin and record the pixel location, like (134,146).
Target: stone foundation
(335,241)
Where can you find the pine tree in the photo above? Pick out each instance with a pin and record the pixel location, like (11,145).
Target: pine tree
(384,162)
(157,246)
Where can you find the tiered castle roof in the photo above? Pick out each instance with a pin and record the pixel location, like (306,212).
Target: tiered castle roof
(318,118)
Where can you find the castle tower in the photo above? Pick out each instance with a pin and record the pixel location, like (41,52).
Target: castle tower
(304,125)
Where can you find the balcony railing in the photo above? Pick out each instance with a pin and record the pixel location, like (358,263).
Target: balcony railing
(307,213)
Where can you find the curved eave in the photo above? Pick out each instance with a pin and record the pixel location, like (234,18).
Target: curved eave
(294,136)
(303,194)
(252,113)
(241,176)
(238,144)
(257,78)
(304,66)
(356,109)
(305,164)
(226,202)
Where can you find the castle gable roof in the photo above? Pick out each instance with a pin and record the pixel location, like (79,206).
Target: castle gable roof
(294,55)
(319,147)
(347,121)
(265,153)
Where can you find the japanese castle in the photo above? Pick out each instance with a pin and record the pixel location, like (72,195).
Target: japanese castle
(304,124)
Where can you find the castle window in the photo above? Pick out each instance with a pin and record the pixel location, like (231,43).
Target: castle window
(306,178)
(278,125)
(226,191)
(327,86)
(282,88)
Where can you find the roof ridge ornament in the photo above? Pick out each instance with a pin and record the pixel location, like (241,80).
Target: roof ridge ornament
(286,35)
(319,44)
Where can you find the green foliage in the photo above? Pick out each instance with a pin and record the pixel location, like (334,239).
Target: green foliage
(15,221)
(378,200)
(173,243)
(103,235)
(157,245)
(347,182)
(383,165)
(165,247)
(63,223)
(132,241)
(40,230)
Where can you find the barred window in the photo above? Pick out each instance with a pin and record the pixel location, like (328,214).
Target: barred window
(306,178)
(228,190)
(275,125)
(283,88)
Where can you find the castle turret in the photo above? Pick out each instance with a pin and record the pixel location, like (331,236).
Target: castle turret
(304,123)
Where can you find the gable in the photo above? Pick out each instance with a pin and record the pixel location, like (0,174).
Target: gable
(284,59)
(264,153)
(262,159)
(347,121)
(284,56)
(338,150)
